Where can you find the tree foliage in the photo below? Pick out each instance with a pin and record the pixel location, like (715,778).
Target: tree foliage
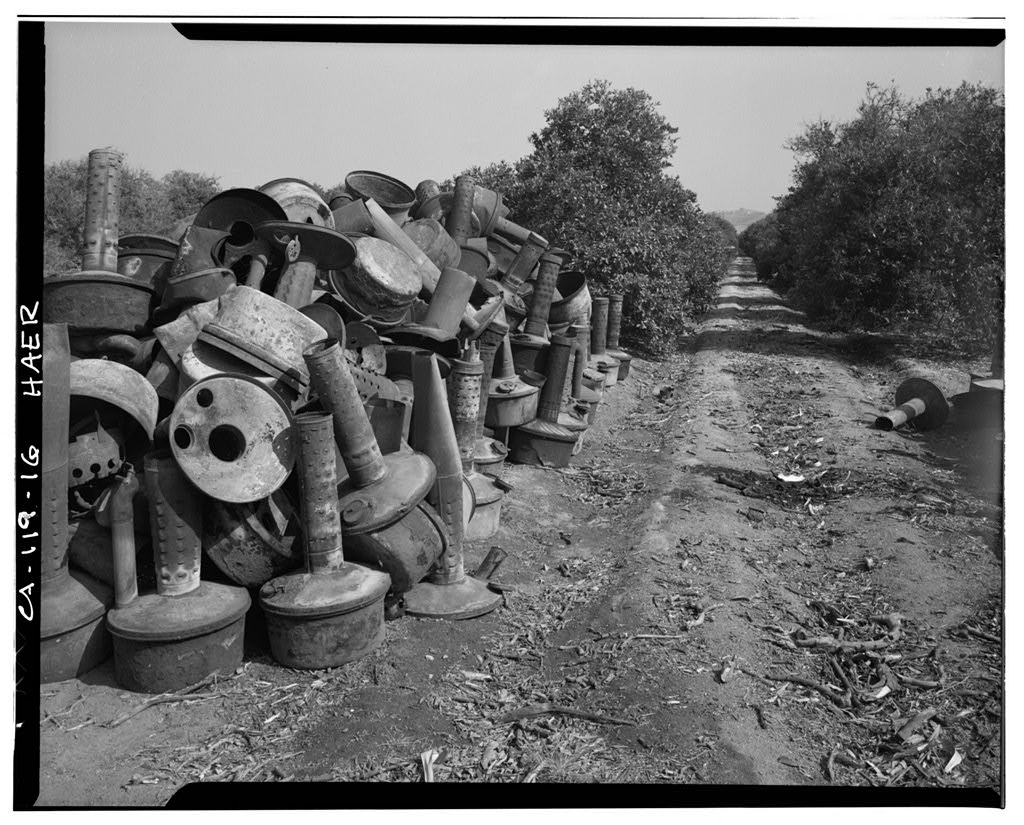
(595,184)
(896,215)
(146,204)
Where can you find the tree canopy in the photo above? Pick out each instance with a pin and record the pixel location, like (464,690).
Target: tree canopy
(896,215)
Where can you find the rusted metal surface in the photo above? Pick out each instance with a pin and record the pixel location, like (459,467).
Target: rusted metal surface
(325,618)
(299,201)
(200,248)
(447,592)
(489,209)
(449,301)
(530,347)
(175,520)
(332,380)
(458,220)
(351,217)
(72,637)
(102,201)
(523,264)
(333,612)
(575,299)
(238,212)
(122,538)
(405,550)
(196,287)
(94,301)
(318,492)
(264,332)
(233,438)
(544,441)
(254,542)
(165,643)
(119,385)
(436,244)
(394,197)
(511,400)
(612,342)
(599,359)
(147,259)
(917,400)
(387,418)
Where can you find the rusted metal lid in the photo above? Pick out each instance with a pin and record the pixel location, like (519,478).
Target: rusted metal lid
(389,192)
(409,478)
(318,595)
(153,618)
(321,245)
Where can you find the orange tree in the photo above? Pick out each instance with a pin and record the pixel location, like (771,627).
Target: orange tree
(897,216)
(596,184)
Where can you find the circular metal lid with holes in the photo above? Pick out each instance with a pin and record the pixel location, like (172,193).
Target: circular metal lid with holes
(233,437)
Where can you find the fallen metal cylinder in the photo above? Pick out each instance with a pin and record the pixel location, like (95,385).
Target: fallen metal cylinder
(458,222)
(450,300)
(333,612)
(612,342)
(447,592)
(523,263)
(332,380)
(188,629)
(102,208)
(72,638)
(918,400)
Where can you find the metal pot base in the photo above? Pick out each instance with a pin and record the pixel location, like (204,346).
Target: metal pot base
(164,643)
(73,638)
(466,600)
(325,619)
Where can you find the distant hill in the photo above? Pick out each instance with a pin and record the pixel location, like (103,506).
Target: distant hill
(741,218)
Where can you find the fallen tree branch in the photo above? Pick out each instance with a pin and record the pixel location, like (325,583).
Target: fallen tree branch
(836,698)
(164,698)
(546,708)
(981,634)
(908,729)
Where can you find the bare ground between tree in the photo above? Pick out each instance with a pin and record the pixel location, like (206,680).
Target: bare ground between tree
(674,612)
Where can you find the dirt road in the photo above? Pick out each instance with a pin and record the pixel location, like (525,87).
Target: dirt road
(693,618)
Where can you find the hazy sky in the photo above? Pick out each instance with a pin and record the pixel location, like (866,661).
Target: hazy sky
(250,112)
